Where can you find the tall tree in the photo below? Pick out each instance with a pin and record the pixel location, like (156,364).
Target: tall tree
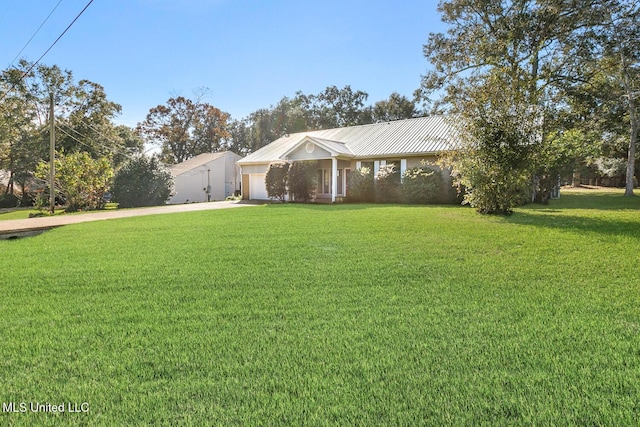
(17,116)
(88,126)
(184,128)
(610,50)
(331,108)
(498,48)
(335,108)
(396,107)
(25,111)
(84,117)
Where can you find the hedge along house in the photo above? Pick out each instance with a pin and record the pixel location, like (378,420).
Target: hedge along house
(404,143)
(206,177)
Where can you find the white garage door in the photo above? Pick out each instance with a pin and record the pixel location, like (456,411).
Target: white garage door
(257,189)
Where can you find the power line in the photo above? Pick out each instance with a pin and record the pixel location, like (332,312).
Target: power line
(50,47)
(34,34)
(60,36)
(6,9)
(114,150)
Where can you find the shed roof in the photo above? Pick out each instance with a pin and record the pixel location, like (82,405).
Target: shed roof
(423,135)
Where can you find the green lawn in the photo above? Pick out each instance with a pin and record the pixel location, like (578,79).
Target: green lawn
(17,213)
(330,315)
(23,213)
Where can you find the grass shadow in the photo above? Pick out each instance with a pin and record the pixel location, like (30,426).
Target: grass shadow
(560,220)
(590,211)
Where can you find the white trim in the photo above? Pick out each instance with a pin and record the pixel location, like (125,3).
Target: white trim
(334,179)
(376,167)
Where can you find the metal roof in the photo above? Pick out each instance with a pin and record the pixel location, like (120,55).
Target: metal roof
(423,135)
(197,161)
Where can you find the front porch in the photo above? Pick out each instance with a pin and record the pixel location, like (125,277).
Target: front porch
(333,166)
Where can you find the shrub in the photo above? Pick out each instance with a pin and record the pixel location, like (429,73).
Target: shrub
(302,181)
(422,185)
(276,181)
(81,179)
(387,186)
(361,185)
(143,181)
(9,201)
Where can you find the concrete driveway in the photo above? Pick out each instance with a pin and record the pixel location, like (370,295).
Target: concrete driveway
(24,227)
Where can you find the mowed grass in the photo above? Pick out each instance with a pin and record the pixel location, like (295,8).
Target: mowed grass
(330,315)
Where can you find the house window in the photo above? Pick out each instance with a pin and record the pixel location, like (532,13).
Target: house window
(319,181)
(327,181)
(324,181)
(396,167)
(368,165)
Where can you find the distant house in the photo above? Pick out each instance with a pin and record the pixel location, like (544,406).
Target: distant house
(404,143)
(206,177)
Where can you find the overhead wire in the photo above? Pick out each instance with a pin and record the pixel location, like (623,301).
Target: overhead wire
(6,9)
(113,150)
(35,33)
(48,49)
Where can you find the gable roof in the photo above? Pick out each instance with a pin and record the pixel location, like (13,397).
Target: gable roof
(423,135)
(197,161)
(336,148)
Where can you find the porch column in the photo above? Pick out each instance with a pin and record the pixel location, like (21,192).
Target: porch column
(334,179)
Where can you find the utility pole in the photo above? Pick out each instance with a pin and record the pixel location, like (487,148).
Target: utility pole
(52,156)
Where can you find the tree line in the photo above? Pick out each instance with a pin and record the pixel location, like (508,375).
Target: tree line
(183,127)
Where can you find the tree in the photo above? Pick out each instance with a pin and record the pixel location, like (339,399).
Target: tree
(609,51)
(25,106)
(498,64)
(18,153)
(88,124)
(397,107)
(331,108)
(80,179)
(184,128)
(498,142)
(83,119)
(127,145)
(334,108)
(142,181)
(276,181)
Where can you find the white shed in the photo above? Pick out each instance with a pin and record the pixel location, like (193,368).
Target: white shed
(206,177)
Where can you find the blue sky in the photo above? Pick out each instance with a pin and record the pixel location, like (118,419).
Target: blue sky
(248,53)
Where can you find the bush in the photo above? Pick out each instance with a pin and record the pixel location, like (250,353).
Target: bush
(143,181)
(387,186)
(302,181)
(276,181)
(361,185)
(422,185)
(9,201)
(80,179)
